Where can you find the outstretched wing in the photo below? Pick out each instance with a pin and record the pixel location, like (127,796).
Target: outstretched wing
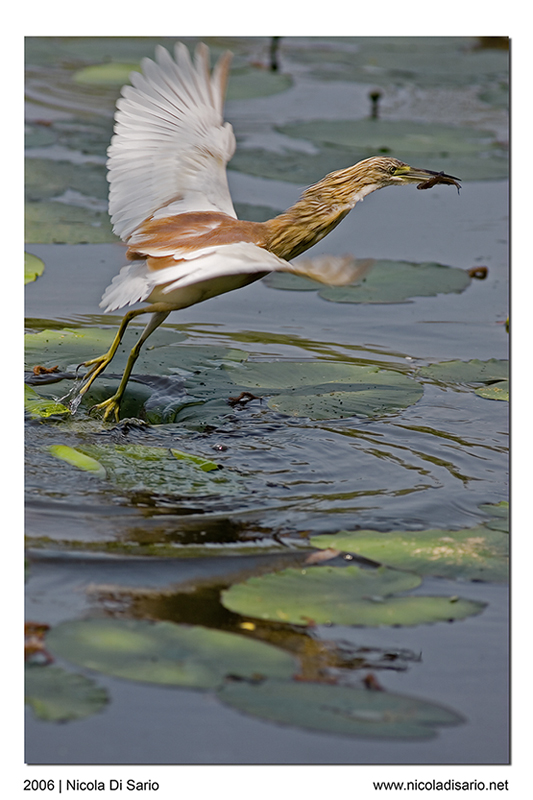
(171,145)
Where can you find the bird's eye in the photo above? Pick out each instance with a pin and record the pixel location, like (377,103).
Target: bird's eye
(391,169)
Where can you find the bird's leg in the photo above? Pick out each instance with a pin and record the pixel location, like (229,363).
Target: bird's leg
(112,404)
(97,365)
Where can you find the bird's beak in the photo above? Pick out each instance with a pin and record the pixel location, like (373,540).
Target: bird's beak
(426,178)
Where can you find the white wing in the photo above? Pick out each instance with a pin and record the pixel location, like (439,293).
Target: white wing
(206,273)
(171,145)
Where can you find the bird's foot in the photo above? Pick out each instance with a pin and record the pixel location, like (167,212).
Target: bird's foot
(97,365)
(110,407)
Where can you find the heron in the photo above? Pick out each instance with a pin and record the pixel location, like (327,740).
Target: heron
(169,201)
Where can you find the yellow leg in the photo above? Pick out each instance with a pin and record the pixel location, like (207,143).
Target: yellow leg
(99,364)
(112,404)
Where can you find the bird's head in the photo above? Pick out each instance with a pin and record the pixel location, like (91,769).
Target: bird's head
(379,171)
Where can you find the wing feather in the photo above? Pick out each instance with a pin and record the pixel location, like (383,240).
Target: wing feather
(213,270)
(171,144)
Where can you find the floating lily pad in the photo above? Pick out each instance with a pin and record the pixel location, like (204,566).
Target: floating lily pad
(471,554)
(49,223)
(113,73)
(493,373)
(328,390)
(400,60)
(468,372)
(212,375)
(69,347)
(496,391)
(338,710)
(33,268)
(399,138)
(500,514)
(245,83)
(41,407)
(56,695)
(78,459)
(46,179)
(342,596)
(166,653)
(464,152)
(385,282)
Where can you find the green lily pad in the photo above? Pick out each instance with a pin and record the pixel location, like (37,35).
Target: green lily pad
(414,60)
(500,514)
(289,282)
(153,469)
(245,83)
(342,596)
(33,268)
(496,391)
(69,347)
(77,459)
(399,138)
(49,223)
(468,372)
(464,152)
(113,73)
(471,554)
(41,407)
(46,179)
(166,653)
(385,282)
(213,375)
(56,695)
(494,373)
(203,463)
(338,710)
(326,389)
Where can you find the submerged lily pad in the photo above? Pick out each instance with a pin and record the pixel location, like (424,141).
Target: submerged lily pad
(166,653)
(33,267)
(471,554)
(77,459)
(203,463)
(342,596)
(152,469)
(41,407)
(384,282)
(56,695)
(338,710)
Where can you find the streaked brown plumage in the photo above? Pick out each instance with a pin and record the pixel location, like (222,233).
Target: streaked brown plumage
(169,201)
